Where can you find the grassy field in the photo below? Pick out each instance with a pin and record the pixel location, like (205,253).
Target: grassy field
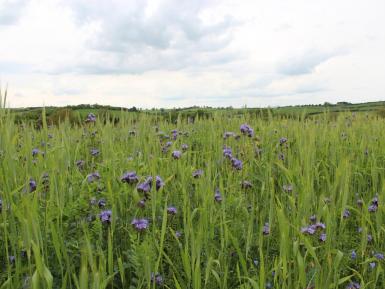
(280,203)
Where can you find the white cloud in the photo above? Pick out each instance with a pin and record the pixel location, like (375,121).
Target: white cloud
(173,53)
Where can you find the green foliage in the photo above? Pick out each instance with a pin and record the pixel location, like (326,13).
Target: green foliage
(53,237)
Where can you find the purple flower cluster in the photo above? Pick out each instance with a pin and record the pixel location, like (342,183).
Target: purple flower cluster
(237,164)
(130,177)
(95,152)
(35,152)
(140,224)
(91,117)
(246,185)
(313,228)
(105,216)
(176,154)
(32,185)
(172,210)
(228,134)
(157,279)
(197,173)
(266,229)
(218,196)
(146,186)
(227,152)
(247,130)
(93,177)
(374,205)
(353,285)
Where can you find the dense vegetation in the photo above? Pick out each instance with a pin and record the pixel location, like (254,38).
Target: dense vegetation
(233,200)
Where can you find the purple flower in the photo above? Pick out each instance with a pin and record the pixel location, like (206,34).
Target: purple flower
(142,203)
(217,196)
(370,238)
(144,187)
(80,164)
(130,178)
(178,234)
(101,203)
(228,134)
(346,214)
(246,185)
(313,218)
(157,279)
(308,230)
(247,130)
(227,152)
(184,147)
(158,183)
(176,154)
(172,210)
(95,152)
(322,237)
(105,216)
(198,173)
(168,144)
(35,152)
(372,265)
(353,255)
(266,229)
(93,177)
(320,225)
(353,285)
(379,256)
(237,164)
(374,206)
(282,140)
(140,224)
(32,185)
(91,117)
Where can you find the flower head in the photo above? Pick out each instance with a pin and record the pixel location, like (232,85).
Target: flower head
(353,255)
(217,196)
(95,152)
(91,117)
(346,214)
(184,147)
(158,183)
(93,177)
(176,154)
(172,210)
(247,130)
(197,173)
(35,152)
(32,185)
(237,164)
(227,152)
(105,216)
(266,229)
(247,185)
(157,279)
(140,224)
(130,177)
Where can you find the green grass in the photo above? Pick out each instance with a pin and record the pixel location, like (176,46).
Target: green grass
(58,240)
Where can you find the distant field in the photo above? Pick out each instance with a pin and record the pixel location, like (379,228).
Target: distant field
(209,199)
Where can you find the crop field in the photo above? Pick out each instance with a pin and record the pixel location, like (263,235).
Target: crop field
(231,201)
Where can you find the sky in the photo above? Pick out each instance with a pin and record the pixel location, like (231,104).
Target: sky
(178,53)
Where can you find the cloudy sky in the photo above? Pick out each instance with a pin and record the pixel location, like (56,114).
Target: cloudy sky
(176,53)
